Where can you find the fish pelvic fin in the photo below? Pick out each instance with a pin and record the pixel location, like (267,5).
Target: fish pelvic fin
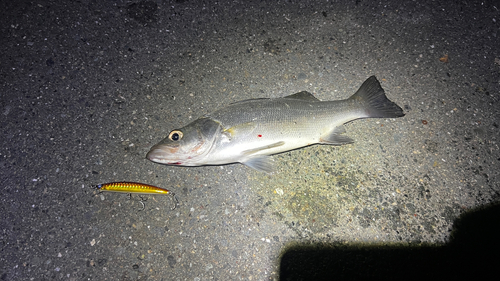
(335,137)
(261,163)
(374,100)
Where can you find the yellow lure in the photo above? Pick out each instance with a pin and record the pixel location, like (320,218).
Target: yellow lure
(132,187)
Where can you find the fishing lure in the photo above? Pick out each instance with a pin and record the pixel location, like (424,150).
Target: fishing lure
(132,187)
(136,188)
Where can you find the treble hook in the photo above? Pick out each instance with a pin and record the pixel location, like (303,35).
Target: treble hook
(176,202)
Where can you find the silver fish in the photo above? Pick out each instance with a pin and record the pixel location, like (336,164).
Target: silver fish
(250,131)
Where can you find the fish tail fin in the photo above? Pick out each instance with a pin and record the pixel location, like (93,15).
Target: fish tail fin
(375,102)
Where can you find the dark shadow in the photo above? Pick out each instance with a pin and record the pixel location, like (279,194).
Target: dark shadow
(473,253)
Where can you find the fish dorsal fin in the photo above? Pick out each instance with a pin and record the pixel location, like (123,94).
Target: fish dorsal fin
(304,95)
(247,100)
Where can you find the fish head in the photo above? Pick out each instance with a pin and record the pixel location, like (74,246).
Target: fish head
(187,146)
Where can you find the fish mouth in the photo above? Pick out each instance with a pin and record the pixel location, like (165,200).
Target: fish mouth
(160,155)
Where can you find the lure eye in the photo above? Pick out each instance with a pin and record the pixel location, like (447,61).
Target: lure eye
(175,135)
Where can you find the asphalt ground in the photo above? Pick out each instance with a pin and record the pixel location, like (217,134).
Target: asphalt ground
(87,87)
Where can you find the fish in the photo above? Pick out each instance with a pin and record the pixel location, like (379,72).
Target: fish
(251,131)
(132,187)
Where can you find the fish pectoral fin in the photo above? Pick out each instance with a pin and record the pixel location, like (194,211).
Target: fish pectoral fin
(255,150)
(336,137)
(304,95)
(239,130)
(261,163)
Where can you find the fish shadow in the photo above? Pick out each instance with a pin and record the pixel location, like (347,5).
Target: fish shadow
(472,253)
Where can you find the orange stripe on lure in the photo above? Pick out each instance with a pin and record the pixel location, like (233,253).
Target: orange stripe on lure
(132,187)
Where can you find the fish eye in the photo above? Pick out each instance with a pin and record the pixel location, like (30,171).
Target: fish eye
(175,135)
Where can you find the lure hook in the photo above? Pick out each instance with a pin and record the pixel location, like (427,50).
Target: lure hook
(174,199)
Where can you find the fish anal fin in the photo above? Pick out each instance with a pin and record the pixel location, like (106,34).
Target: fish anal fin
(336,137)
(304,95)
